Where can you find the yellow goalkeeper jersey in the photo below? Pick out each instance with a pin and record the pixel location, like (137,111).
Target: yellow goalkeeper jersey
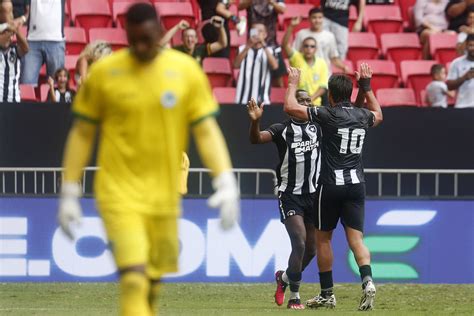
(144,112)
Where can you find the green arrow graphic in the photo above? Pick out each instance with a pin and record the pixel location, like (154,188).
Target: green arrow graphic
(388,244)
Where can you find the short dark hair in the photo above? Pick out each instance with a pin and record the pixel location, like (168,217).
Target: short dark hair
(469,38)
(314,11)
(340,87)
(436,69)
(139,13)
(310,38)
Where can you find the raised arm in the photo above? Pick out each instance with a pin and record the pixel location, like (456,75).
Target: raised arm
(182,25)
(255,114)
(361,11)
(22,43)
(241,56)
(364,85)
(277,6)
(222,40)
(286,38)
(291,106)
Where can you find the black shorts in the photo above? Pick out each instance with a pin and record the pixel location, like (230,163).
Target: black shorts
(346,202)
(293,204)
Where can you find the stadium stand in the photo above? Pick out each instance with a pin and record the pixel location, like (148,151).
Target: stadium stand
(381,19)
(396,97)
(400,46)
(385,73)
(416,74)
(224,95)
(218,71)
(362,46)
(28,93)
(91,14)
(295,10)
(173,12)
(76,40)
(115,36)
(443,47)
(277,95)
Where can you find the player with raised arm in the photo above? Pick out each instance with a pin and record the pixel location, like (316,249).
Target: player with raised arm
(297,142)
(341,193)
(144,101)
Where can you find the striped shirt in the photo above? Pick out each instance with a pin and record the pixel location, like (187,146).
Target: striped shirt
(344,128)
(298,148)
(10,65)
(254,77)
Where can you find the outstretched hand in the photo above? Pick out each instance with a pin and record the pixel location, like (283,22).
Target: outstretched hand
(293,76)
(255,112)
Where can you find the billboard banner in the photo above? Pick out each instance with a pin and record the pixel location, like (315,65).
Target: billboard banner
(410,241)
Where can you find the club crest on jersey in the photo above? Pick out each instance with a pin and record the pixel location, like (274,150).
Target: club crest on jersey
(12,56)
(168,99)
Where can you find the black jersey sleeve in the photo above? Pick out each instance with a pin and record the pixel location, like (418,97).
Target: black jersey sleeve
(276,130)
(318,114)
(370,118)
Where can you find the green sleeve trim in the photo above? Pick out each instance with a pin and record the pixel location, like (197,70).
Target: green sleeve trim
(202,118)
(85,118)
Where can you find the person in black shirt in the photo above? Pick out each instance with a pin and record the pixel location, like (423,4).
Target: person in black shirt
(456,12)
(341,193)
(297,142)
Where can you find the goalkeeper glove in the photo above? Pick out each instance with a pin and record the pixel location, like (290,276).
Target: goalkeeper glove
(70,211)
(226,198)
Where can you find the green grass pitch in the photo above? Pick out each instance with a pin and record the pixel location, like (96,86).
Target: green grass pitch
(87,299)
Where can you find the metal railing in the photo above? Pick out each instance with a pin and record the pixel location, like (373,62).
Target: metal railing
(261,182)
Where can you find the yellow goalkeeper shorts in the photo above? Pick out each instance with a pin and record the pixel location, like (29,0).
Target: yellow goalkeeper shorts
(139,239)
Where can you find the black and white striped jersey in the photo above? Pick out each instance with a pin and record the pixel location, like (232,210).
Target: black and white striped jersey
(344,129)
(10,65)
(299,151)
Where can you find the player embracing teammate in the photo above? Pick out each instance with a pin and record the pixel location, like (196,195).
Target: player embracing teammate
(341,189)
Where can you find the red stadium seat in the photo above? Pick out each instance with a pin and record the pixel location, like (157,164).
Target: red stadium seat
(405,5)
(27,93)
(381,19)
(44,92)
(401,46)
(224,95)
(362,46)
(235,42)
(396,97)
(70,64)
(416,74)
(277,95)
(76,40)
(218,71)
(91,14)
(443,47)
(294,10)
(116,37)
(348,63)
(173,12)
(384,73)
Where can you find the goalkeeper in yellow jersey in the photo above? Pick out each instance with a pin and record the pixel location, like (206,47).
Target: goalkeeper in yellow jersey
(144,102)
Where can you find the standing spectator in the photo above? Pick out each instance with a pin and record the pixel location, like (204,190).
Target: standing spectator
(10,63)
(461,76)
(62,93)
(465,30)
(255,60)
(190,44)
(45,38)
(266,12)
(429,19)
(336,20)
(210,8)
(91,53)
(327,48)
(314,70)
(21,8)
(8,13)
(456,11)
(437,91)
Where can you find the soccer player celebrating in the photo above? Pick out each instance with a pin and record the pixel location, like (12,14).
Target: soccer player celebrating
(297,142)
(144,101)
(341,193)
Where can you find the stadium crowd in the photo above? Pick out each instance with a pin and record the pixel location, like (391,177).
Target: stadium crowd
(246,46)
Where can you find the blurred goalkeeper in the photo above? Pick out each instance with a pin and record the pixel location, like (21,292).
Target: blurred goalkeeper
(144,102)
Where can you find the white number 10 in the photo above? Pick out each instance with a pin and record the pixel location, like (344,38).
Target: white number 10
(356,137)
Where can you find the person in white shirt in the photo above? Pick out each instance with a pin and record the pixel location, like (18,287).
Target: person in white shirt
(437,91)
(461,76)
(327,48)
(45,38)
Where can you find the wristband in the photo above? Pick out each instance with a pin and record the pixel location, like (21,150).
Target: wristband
(364,84)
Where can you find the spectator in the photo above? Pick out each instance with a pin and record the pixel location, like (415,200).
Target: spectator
(437,91)
(8,13)
(314,70)
(325,40)
(91,53)
(336,20)
(10,65)
(255,60)
(45,38)
(456,11)
(190,44)
(465,30)
(266,12)
(61,94)
(21,8)
(210,8)
(429,19)
(461,76)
